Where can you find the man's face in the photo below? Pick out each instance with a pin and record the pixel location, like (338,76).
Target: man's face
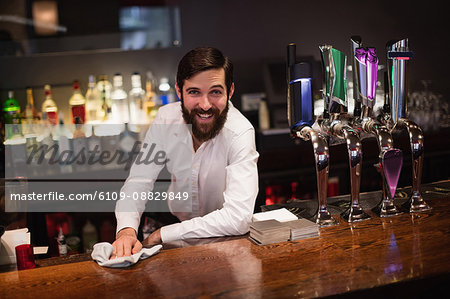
(205,103)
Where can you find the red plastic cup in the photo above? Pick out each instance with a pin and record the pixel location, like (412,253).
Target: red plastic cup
(25,257)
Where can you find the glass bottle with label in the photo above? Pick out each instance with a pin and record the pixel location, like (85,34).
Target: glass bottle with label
(136,100)
(119,100)
(79,129)
(11,113)
(31,118)
(77,103)
(104,87)
(79,146)
(150,105)
(94,104)
(166,92)
(62,246)
(49,108)
(62,136)
(95,150)
(31,114)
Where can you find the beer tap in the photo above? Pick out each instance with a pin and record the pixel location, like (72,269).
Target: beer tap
(334,66)
(398,54)
(355,43)
(390,159)
(301,119)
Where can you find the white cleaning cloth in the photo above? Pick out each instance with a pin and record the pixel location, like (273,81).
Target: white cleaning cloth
(102,251)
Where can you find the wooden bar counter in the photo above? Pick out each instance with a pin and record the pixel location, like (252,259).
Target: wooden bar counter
(403,256)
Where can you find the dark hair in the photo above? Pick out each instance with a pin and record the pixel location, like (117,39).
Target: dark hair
(202,59)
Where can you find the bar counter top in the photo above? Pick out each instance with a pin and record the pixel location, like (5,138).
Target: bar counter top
(402,256)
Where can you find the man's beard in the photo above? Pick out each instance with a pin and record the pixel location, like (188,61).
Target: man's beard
(205,131)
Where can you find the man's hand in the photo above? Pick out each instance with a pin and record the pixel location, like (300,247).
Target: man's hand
(153,239)
(126,243)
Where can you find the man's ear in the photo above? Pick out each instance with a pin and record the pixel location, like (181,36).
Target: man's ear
(230,94)
(178,91)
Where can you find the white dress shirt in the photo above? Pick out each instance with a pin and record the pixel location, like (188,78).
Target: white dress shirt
(223,177)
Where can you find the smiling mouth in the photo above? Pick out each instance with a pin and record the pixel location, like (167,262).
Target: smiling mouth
(205,116)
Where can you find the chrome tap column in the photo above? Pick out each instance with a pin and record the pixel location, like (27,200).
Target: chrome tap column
(398,54)
(301,119)
(356,43)
(334,67)
(366,64)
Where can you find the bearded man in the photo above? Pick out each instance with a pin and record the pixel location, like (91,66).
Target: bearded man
(223,176)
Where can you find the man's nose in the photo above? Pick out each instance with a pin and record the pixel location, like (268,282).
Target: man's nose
(204,103)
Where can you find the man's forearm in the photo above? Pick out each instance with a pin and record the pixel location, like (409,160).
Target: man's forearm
(153,239)
(215,224)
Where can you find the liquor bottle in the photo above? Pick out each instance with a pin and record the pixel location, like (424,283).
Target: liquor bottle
(28,129)
(77,103)
(80,147)
(119,107)
(150,105)
(94,104)
(62,246)
(136,100)
(73,244)
(166,92)
(45,141)
(95,149)
(11,114)
(78,133)
(61,130)
(31,114)
(62,136)
(49,109)
(104,87)
(89,236)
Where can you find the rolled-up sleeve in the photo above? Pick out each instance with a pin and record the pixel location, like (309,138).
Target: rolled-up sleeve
(141,179)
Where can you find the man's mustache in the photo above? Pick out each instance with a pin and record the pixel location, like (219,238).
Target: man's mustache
(210,110)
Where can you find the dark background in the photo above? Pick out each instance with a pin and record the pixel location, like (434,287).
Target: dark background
(249,32)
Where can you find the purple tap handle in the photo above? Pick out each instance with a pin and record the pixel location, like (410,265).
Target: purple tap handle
(372,69)
(360,54)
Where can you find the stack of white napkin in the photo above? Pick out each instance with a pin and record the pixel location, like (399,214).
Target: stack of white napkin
(280,215)
(9,241)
